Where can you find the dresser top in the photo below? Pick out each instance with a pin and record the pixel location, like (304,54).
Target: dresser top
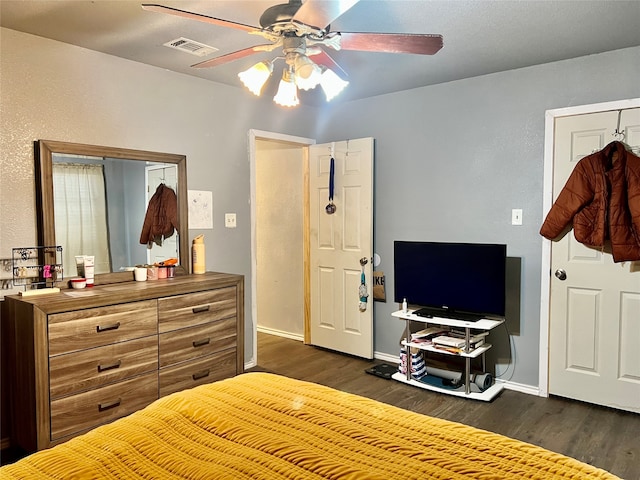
(116,293)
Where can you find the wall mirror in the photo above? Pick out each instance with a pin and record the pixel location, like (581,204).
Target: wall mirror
(110,187)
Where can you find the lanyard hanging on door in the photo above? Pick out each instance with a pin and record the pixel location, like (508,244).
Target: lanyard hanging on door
(331,208)
(362,290)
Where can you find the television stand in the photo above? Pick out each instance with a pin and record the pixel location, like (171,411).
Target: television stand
(466,352)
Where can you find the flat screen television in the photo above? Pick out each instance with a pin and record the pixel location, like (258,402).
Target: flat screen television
(454,280)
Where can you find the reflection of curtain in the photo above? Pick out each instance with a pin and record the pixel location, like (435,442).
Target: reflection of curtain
(81,215)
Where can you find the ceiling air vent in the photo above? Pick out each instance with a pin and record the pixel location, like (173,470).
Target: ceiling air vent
(191,46)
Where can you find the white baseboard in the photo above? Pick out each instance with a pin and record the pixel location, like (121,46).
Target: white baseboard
(522,388)
(386,357)
(281,333)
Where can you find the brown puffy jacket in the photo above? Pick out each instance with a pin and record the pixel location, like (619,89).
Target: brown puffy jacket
(161,218)
(602,197)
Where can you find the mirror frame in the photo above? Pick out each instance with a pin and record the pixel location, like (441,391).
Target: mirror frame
(44,150)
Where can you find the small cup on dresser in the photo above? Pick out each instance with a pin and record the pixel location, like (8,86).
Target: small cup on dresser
(140,274)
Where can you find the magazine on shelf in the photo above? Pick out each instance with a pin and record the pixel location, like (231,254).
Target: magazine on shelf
(462,334)
(456,342)
(427,335)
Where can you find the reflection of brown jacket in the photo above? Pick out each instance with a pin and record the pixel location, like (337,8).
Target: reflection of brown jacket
(602,196)
(162,216)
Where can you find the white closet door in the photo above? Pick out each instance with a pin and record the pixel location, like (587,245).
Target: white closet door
(594,313)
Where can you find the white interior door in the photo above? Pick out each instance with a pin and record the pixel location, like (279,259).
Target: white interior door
(337,243)
(594,330)
(156,175)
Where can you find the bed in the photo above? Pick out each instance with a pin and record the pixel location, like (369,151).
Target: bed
(266,426)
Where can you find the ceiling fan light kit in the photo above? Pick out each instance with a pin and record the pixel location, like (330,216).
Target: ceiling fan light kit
(301,29)
(307,73)
(287,94)
(332,84)
(255,77)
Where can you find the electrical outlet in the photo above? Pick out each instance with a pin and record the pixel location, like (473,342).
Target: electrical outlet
(516,216)
(230,220)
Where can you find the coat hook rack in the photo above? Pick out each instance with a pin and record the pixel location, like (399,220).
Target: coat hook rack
(618,135)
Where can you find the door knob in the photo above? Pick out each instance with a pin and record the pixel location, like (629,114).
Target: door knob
(561,274)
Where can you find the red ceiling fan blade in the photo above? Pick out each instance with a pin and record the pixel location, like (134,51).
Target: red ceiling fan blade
(323,58)
(230,57)
(320,13)
(422,44)
(196,16)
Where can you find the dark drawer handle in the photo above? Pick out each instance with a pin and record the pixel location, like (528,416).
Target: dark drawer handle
(199,375)
(102,368)
(106,328)
(201,343)
(204,308)
(106,406)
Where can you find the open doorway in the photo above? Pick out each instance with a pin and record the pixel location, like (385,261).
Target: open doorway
(278,166)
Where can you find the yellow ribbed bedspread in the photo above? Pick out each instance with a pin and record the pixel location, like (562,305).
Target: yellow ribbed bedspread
(265,426)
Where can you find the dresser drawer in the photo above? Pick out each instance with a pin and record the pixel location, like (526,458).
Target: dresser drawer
(193,342)
(71,415)
(74,372)
(196,308)
(197,372)
(94,327)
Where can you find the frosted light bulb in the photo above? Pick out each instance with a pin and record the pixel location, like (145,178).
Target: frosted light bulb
(287,94)
(255,77)
(332,84)
(307,73)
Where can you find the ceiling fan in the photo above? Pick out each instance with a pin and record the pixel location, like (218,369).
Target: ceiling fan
(302,30)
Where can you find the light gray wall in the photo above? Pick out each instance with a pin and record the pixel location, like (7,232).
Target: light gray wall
(452,160)
(55,91)
(125,204)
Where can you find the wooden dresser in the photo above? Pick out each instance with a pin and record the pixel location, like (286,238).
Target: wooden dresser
(82,358)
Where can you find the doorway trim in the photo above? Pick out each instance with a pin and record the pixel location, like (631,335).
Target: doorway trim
(547,201)
(253,136)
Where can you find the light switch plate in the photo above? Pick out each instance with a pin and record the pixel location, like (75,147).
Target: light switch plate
(516,216)
(230,220)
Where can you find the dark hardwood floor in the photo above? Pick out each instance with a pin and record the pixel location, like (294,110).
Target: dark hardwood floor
(603,437)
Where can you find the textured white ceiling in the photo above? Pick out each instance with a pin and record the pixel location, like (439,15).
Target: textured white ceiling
(480,36)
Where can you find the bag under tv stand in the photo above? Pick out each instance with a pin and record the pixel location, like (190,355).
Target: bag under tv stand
(466,352)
